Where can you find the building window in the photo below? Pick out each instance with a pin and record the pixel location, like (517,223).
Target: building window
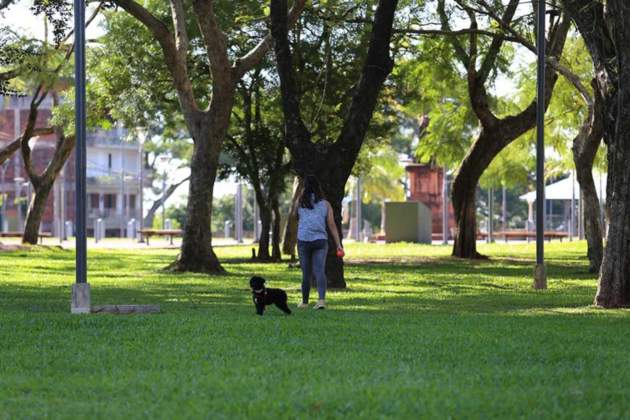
(94,201)
(109,161)
(132,201)
(110,201)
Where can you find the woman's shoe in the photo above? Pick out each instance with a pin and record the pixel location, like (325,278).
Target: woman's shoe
(302,305)
(321,304)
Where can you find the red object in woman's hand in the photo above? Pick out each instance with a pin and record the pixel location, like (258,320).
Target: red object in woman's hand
(340,253)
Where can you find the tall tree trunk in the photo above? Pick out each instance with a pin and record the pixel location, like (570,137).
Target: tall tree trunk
(464,190)
(584,149)
(465,206)
(614,281)
(289,241)
(196,252)
(334,264)
(35,212)
(42,183)
(276,254)
(265,222)
(606,34)
(592,215)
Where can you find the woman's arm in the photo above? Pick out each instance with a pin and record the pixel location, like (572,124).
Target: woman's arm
(332,227)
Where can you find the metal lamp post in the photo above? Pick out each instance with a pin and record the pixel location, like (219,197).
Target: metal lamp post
(165,160)
(141,191)
(81,289)
(540,275)
(19,182)
(3,195)
(444,206)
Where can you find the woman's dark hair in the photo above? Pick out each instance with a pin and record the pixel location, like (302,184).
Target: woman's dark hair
(312,192)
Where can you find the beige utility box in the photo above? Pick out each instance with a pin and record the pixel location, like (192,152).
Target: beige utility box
(407,221)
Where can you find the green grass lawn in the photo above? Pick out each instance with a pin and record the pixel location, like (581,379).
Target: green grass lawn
(416,335)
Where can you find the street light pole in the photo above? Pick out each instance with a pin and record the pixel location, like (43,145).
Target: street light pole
(3,169)
(164,201)
(81,289)
(444,206)
(19,181)
(141,240)
(540,275)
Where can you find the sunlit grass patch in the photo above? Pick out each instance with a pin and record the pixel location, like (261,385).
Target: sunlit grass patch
(417,334)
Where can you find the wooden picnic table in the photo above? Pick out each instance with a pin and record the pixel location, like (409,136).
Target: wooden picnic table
(170,233)
(524,234)
(17,234)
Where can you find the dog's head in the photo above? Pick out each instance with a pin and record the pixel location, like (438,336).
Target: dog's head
(257,284)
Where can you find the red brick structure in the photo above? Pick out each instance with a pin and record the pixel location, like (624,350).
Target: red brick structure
(425,186)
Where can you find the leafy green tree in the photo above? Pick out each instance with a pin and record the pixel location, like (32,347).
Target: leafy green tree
(192,36)
(256,144)
(37,73)
(479,52)
(342,132)
(432,97)
(575,112)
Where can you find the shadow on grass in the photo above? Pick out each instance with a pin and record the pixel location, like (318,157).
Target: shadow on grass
(431,284)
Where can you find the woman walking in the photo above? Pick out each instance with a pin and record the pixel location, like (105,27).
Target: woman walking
(314,215)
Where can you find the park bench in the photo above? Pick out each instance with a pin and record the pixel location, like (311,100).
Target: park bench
(170,233)
(523,235)
(41,235)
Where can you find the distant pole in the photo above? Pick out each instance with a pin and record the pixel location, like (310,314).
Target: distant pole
(581,217)
(60,204)
(504,210)
(540,275)
(602,207)
(490,215)
(238,213)
(444,206)
(141,191)
(81,290)
(3,195)
(358,213)
(572,212)
(164,201)
(256,217)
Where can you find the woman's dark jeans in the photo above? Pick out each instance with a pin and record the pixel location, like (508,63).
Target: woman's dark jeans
(313,262)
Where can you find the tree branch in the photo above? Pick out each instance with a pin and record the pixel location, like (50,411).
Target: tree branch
(10,74)
(165,196)
(9,149)
(179,22)
(456,32)
(256,54)
(177,67)
(216,47)
(37,99)
(490,59)
(376,68)
(295,129)
(460,52)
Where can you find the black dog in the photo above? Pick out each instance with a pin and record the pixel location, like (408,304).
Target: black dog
(263,296)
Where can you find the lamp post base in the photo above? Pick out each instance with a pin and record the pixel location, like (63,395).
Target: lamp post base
(540,277)
(81,302)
